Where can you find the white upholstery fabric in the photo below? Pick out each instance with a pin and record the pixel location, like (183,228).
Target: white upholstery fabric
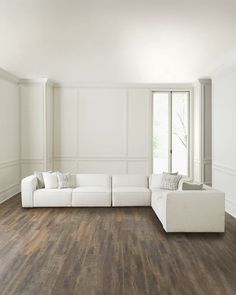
(52,197)
(129,180)
(91,197)
(131,196)
(28,186)
(155,181)
(98,180)
(190,211)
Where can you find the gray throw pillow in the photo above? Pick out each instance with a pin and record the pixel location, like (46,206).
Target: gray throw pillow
(170,181)
(65,180)
(40,180)
(192,186)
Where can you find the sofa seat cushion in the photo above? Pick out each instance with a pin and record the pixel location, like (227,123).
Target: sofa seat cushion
(131,196)
(91,197)
(52,197)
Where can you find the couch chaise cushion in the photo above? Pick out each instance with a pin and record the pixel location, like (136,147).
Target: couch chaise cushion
(52,197)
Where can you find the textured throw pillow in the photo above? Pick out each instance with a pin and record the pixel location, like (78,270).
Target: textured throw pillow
(40,180)
(65,180)
(50,180)
(192,186)
(170,181)
(182,180)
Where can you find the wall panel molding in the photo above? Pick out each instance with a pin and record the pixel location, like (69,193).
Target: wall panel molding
(9,163)
(224,178)
(225,169)
(9,192)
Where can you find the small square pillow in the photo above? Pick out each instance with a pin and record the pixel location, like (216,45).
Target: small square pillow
(192,186)
(65,180)
(50,180)
(170,181)
(39,176)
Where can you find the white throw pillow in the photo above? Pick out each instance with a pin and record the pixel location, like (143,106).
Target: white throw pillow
(50,180)
(65,180)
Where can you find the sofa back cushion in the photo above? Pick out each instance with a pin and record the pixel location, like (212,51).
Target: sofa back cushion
(129,180)
(93,180)
(155,181)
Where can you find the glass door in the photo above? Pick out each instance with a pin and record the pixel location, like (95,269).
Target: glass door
(171,132)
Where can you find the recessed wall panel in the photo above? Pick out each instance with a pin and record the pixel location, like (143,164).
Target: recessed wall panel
(65,122)
(138,122)
(102,122)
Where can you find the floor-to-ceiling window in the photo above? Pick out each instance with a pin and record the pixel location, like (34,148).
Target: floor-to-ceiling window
(171,131)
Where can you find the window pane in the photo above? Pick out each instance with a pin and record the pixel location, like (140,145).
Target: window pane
(180,127)
(160,132)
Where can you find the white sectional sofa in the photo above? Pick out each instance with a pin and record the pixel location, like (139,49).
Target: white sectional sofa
(178,211)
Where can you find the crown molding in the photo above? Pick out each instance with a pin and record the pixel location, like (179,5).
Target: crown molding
(8,76)
(168,86)
(33,81)
(202,81)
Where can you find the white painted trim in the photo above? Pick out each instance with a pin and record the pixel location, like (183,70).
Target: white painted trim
(230,207)
(9,163)
(101,158)
(34,81)
(224,169)
(152,86)
(8,76)
(9,192)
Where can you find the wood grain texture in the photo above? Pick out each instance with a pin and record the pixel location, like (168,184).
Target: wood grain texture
(109,251)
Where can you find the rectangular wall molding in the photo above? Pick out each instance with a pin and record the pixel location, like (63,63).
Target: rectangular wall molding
(225,178)
(224,169)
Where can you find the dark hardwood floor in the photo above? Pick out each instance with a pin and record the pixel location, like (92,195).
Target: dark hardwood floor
(108,251)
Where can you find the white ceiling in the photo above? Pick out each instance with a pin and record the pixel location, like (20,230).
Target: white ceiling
(128,41)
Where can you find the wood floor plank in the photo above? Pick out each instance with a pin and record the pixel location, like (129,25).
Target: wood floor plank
(109,251)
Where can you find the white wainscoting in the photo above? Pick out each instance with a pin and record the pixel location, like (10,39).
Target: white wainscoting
(102,130)
(9,179)
(10,136)
(224,178)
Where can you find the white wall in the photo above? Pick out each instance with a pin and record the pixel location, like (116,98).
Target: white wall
(10,138)
(224,138)
(102,130)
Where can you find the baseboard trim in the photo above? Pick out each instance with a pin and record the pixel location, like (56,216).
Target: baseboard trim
(230,207)
(9,193)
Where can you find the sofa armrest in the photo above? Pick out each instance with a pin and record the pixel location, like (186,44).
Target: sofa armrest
(197,211)
(28,186)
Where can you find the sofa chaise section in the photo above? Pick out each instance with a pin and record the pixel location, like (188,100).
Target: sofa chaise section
(130,190)
(189,210)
